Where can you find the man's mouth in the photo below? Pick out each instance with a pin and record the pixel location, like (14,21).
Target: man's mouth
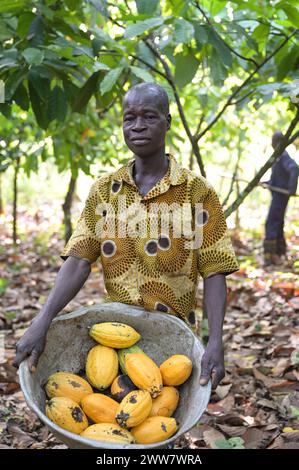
(140,140)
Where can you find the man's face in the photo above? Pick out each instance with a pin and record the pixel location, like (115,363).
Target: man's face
(144,123)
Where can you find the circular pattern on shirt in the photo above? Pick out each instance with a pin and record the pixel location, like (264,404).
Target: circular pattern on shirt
(108,248)
(192,317)
(151,290)
(117,293)
(116,186)
(201,218)
(121,259)
(216,227)
(87,248)
(162,307)
(174,258)
(164,242)
(151,247)
(212,262)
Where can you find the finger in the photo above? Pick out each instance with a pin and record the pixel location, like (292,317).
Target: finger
(215,379)
(20,356)
(33,359)
(205,374)
(217,376)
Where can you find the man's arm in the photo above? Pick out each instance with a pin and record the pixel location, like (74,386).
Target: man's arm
(212,364)
(69,280)
(292,168)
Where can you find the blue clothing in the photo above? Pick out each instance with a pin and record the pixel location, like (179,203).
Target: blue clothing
(275,219)
(285,173)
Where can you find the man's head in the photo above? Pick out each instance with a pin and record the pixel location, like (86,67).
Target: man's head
(276,138)
(146,118)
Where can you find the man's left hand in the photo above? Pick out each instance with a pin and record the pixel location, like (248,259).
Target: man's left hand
(212,365)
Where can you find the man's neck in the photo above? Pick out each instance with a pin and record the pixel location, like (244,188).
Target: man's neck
(151,167)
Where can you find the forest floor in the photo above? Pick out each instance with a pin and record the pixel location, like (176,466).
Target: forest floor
(257,403)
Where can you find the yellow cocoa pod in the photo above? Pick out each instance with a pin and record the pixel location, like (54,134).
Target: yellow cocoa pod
(65,384)
(154,429)
(144,373)
(121,386)
(166,403)
(134,408)
(108,433)
(114,335)
(99,408)
(101,366)
(67,414)
(176,370)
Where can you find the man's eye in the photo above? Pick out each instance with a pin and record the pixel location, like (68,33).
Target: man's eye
(150,116)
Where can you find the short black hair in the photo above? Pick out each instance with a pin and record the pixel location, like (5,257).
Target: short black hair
(158,90)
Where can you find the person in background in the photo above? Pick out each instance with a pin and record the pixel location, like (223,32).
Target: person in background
(284,176)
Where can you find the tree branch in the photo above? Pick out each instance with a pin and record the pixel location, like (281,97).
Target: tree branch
(249,59)
(239,88)
(285,141)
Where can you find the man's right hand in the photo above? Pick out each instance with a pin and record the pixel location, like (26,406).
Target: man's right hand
(32,343)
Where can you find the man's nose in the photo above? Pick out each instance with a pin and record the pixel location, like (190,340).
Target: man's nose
(139,124)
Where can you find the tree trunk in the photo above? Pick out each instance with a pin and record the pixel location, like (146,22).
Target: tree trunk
(15,201)
(67,206)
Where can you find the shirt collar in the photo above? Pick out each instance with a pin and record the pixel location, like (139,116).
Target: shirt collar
(175,175)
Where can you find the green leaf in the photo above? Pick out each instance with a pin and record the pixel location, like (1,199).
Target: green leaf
(3,285)
(142,73)
(183,31)
(295,358)
(33,56)
(218,71)
(294,411)
(223,51)
(24,23)
(287,63)
(101,6)
(139,28)
(110,79)
(292,13)
(223,444)
(100,66)
(21,97)
(147,7)
(38,106)
(146,54)
(236,442)
(57,104)
(200,34)
(73,4)
(260,34)
(5,33)
(86,92)
(36,32)
(186,68)
(41,82)
(7,6)
(13,82)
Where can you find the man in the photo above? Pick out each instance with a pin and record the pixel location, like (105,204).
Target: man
(159,270)
(284,176)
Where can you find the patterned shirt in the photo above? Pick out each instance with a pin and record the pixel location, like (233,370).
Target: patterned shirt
(143,263)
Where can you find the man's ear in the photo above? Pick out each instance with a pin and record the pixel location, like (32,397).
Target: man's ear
(168,121)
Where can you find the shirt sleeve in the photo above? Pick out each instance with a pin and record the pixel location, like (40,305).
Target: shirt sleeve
(216,254)
(85,239)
